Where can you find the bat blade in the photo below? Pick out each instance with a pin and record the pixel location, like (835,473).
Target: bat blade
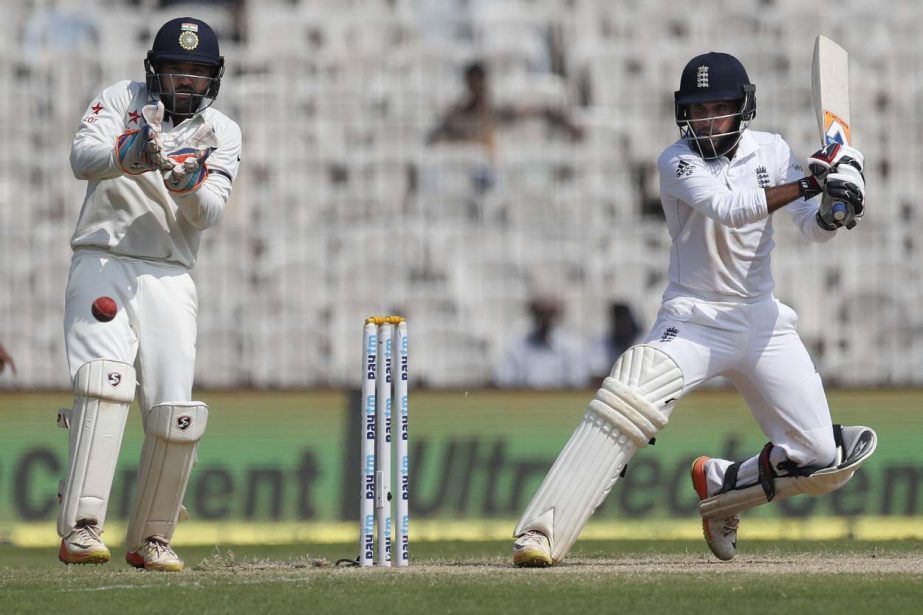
(830,88)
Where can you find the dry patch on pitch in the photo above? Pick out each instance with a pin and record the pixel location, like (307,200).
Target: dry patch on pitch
(227,561)
(782,563)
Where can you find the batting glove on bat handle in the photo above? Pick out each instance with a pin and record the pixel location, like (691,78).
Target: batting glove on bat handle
(826,161)
(843,201)
(833,219)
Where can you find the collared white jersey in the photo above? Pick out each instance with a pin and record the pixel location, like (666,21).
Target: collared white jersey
(718,219)
(135,215)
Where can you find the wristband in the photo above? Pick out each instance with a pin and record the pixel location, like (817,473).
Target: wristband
(809,187)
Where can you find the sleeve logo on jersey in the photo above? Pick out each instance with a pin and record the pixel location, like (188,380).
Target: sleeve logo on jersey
(684,169)
(95,109)
(134,116)
(762,177)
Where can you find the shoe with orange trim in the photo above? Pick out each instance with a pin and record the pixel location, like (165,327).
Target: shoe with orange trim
(155,554)
(82,545)
(720,534)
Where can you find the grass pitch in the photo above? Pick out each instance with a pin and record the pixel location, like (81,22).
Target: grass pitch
(673,573)
(476,577)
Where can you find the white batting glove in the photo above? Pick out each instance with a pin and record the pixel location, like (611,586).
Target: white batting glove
(825,161)
(843,202)
(139,151)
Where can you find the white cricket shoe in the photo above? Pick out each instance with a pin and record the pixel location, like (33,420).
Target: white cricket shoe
(155,554)
(82,545)
(720,534)
(532,550)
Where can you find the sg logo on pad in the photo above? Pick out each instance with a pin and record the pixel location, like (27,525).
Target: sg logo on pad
(183,422)
(114,378)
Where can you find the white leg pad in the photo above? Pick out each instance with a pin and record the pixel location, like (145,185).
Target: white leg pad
(171,436)
(632,405)
(858,445)
(103,391)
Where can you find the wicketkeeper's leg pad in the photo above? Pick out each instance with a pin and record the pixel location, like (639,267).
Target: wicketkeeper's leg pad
(171,435)
(103,391)
(854,446)
(629,409)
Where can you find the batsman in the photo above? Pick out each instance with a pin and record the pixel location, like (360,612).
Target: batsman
(721,185)
(159,163)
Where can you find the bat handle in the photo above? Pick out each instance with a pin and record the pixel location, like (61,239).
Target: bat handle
(839,211)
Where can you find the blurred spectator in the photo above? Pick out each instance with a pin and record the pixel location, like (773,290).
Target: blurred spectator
(472,118)
(6,359)
(546,358)
(475,118)
(622,332)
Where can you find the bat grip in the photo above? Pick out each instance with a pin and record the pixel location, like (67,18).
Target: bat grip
(839,211)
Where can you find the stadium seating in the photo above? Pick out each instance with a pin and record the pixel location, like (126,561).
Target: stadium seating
(342,209)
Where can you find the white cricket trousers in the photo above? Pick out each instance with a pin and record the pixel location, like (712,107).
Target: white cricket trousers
(154,329)
(757,348)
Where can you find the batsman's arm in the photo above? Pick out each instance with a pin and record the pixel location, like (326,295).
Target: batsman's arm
(790,194)
(203,206)
(93,150)
(802,208)
(687,179)
(802,211)
(778,197)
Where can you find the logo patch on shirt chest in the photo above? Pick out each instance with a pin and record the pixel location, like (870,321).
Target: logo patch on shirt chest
(762,177)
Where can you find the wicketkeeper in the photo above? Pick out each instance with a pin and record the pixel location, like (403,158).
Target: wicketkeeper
(159,163)
(720,184)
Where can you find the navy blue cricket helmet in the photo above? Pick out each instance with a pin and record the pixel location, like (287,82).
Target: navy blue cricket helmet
(714,77)
(184,39)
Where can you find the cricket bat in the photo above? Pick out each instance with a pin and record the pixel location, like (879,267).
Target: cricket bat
(830,89)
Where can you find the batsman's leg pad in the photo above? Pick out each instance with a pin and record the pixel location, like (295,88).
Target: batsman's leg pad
(854,446)
(171,435)
(631,406)
(103,391)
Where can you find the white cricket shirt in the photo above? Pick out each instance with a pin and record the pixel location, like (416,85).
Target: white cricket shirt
(717,217)
(135,215)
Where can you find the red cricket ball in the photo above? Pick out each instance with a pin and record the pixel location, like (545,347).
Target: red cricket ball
(104,309)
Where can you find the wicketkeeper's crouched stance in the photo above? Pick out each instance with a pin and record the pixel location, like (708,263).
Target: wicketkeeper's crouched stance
(719,184)
(130,312)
